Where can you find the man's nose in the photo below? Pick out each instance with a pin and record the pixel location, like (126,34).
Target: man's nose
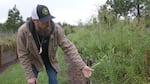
(47,23)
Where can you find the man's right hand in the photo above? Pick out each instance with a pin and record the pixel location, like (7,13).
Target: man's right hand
(32,81)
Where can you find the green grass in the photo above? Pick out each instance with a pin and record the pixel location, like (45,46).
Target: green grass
(14,74)
(119,50)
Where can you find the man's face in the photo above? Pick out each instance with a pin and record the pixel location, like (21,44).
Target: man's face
(43,28)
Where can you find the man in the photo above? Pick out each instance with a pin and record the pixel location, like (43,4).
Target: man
(37,43)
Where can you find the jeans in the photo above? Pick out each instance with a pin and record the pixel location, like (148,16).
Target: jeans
(52,74)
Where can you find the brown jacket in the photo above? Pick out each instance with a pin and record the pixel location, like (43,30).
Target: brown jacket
(28,52)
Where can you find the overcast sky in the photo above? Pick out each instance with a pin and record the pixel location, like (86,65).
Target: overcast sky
(70,11)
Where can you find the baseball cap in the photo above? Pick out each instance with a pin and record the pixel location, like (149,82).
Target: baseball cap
(41,13)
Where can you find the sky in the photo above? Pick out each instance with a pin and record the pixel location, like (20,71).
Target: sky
(69,11)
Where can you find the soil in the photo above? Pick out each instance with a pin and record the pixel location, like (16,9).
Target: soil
(7,58)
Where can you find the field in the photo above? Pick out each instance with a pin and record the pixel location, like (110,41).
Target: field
(119,52)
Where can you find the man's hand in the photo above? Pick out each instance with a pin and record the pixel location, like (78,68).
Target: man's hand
(32,81)
(87,71)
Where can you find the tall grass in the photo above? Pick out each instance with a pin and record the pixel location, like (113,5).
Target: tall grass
(118,50)
(8,40)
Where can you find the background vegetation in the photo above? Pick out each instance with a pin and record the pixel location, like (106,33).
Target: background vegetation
(118,47)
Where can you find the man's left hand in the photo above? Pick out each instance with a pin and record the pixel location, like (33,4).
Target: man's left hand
(87,71)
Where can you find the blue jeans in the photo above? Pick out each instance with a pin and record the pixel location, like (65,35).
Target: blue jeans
(52,74)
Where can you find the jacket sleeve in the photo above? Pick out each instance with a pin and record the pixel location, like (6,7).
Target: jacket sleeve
(69,49)
(23,54)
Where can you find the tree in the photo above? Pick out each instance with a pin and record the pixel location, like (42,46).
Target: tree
(120,7)
(137,8)
(148,6)
(106,17)
(14,19)
(140,8)
(124,7)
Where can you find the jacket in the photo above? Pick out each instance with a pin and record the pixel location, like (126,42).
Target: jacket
(28,53)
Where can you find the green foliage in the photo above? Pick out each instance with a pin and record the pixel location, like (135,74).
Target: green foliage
(118,52)
(147,19)
(14,20)
(117,48)
(106,18)
(121,7)
(8,41)
(15,75)
(62,75)
(147,5)
(124,7)
(67,28)
(2,27)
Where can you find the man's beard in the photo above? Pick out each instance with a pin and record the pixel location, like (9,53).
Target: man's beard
(44,32)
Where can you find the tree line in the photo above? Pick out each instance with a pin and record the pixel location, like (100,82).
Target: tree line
(107,13)
(137,8)
(15,20)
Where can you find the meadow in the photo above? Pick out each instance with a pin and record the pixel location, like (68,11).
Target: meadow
(119,54)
